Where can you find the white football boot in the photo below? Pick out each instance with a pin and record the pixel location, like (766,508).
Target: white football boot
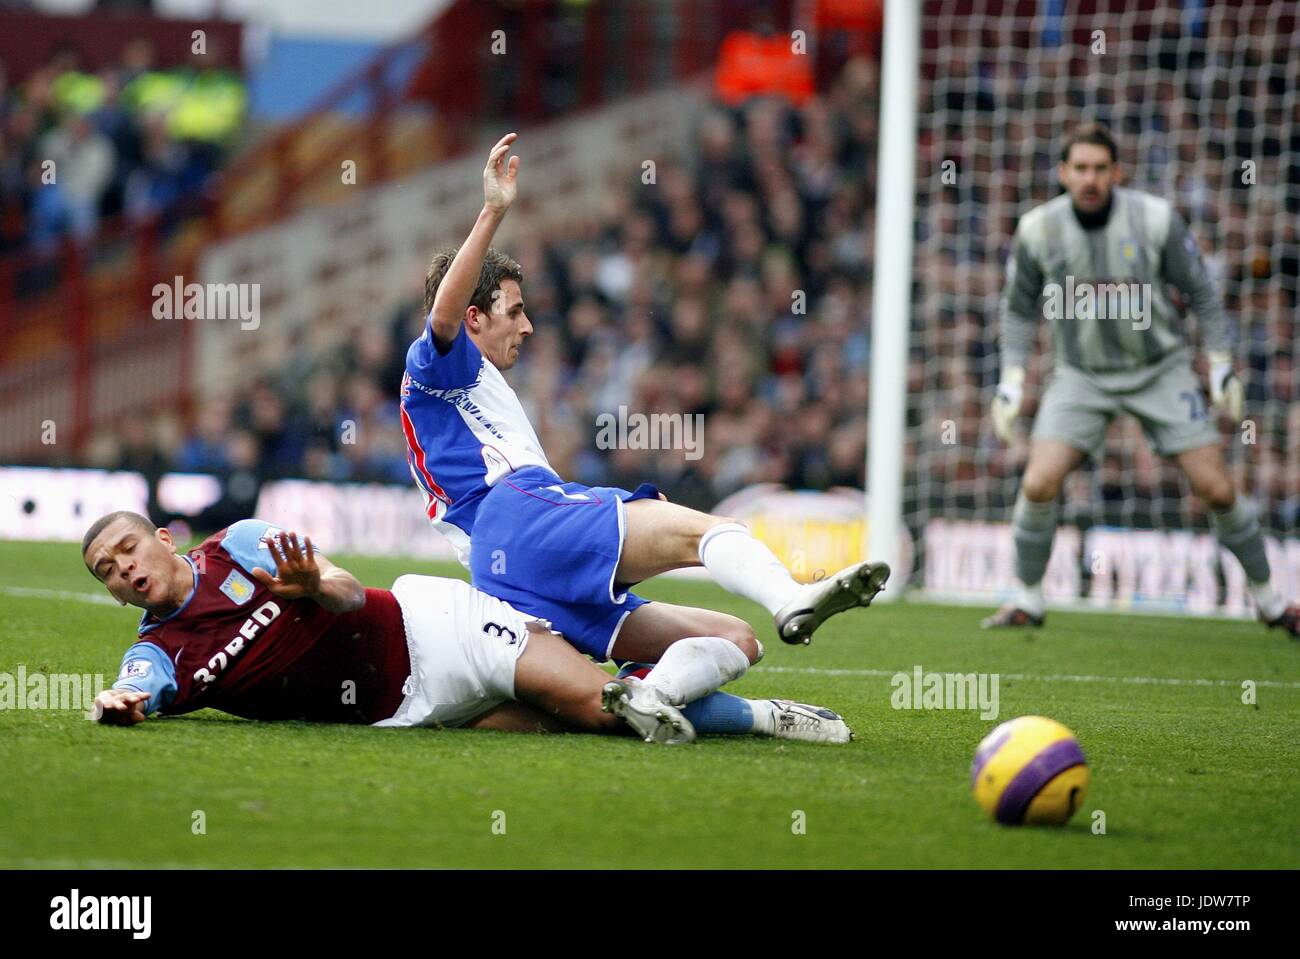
(815,603)
(809,724)
(644,709)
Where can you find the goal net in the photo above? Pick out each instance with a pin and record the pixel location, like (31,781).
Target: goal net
(1205,101)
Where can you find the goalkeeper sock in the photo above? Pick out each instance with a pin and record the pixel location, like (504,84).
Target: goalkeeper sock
(1269,603)
(696,666)
(1033,527)
(1238,530)
(743,565)
(1030,598)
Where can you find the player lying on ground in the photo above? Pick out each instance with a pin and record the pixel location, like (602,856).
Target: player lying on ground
(1100,235)
(561,551)
(254,622)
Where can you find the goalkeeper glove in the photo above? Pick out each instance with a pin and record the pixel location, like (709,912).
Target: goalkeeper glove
(1225,388)
(1006,402)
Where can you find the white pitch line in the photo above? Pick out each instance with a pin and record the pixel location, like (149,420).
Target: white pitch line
(1050,678)
(29,592)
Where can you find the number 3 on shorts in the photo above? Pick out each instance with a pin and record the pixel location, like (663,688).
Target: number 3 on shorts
(496,629)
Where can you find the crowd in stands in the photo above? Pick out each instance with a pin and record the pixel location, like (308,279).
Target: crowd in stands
(739,289)
(743,274)
(78,146)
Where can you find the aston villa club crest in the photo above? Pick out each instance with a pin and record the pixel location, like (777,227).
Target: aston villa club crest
(238,587)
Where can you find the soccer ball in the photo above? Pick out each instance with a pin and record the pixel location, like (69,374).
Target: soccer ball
(1029,770)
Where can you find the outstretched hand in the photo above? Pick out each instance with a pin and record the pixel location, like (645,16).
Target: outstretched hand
(297,572)
(500,177)
(120,707)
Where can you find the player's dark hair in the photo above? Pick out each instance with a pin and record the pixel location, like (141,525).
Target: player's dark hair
(1095,133)
(100,524)
(496,267)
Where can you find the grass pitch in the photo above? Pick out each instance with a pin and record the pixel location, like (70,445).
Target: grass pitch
(1186,775)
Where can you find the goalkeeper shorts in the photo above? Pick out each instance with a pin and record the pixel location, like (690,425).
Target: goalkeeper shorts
(1172,409)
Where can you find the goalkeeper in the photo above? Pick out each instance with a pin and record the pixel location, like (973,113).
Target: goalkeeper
(1104,257)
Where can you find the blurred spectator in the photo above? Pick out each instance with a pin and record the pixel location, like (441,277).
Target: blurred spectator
(78,146)
(204,450)
(83,163)
(760,61)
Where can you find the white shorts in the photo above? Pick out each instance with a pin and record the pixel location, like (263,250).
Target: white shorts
(464,646)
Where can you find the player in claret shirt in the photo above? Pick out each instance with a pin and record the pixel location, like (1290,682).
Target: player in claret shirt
(256,623)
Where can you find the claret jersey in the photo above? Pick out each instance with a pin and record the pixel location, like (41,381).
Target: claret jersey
(236,646)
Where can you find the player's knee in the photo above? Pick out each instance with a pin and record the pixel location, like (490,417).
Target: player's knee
(738,631)
(1218,492)
(1041,486)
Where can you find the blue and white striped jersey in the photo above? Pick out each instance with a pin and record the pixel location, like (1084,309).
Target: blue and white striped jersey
(465,430)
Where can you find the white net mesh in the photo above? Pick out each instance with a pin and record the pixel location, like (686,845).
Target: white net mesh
(1205,100)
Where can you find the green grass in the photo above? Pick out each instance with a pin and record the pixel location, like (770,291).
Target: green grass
(1186,774)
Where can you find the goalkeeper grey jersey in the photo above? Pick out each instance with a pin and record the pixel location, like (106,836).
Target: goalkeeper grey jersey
(1106,290)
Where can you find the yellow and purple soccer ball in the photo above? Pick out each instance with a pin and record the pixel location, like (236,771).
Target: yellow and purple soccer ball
(1030,770)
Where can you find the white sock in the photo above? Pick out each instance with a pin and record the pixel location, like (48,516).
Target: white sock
(743,565)
(1269,603)
(1030,598)
(696,666)
(764,714)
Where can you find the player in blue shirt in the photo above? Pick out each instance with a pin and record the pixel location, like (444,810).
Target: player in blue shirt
(562,551)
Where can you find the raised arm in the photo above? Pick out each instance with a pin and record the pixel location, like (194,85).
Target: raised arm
(457,287)
(302,573)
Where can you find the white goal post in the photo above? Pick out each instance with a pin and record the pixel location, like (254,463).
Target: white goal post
(891,304)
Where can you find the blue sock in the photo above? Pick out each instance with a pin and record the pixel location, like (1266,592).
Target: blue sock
(721,713)
(717,713)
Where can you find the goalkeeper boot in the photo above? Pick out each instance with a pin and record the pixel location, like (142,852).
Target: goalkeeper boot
(815,603)
(809,724)
(644,708)
(1012,615)
(1289,621)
